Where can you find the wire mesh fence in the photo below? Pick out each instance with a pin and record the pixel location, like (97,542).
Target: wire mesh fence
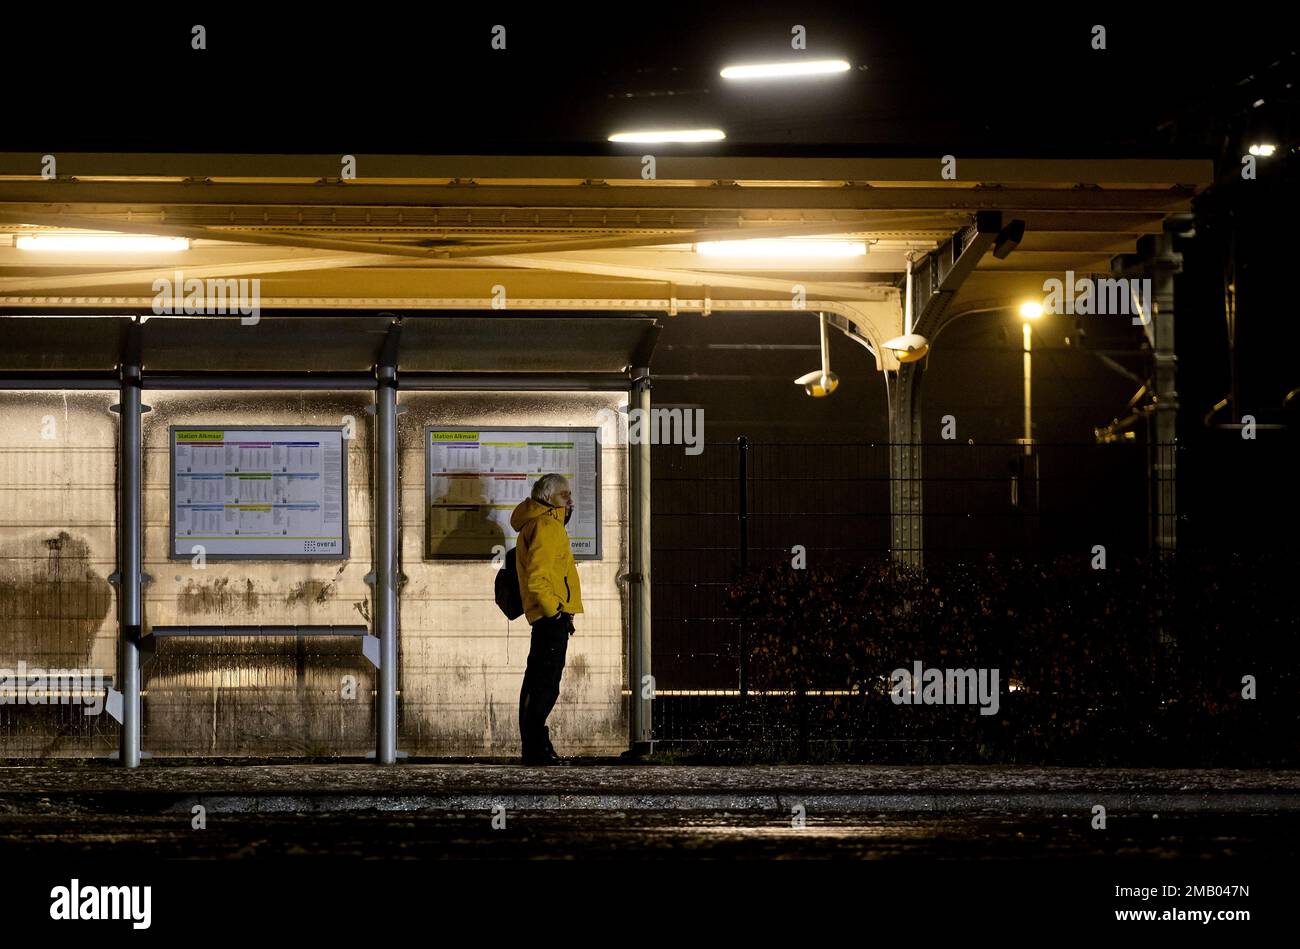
(738,504)
(738,507)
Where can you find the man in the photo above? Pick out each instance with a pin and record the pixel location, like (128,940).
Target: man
(548,584)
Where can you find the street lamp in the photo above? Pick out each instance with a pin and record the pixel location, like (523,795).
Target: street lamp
(820,382)
(909,347)
(1029,311)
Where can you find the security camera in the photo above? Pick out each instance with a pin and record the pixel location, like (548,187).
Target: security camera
(1008,239)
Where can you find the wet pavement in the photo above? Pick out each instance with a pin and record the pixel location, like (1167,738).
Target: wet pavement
(506,835)
(776,790)
(491,812)
(323,848)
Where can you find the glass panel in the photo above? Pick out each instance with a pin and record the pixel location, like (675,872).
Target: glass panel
(462,661)
(57,609)
(244,695)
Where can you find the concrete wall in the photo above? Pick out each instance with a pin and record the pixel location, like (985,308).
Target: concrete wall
(461,662)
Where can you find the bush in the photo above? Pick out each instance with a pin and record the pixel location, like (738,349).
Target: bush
(1139,663)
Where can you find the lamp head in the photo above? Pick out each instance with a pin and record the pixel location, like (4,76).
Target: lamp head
(909,347)
(818,384)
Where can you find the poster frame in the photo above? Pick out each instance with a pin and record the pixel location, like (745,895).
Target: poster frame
(172,555)
(594,430)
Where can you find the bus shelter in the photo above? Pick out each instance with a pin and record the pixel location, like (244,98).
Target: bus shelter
(371,325)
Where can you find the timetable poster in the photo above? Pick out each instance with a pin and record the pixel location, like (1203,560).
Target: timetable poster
(259,493)
(476,477)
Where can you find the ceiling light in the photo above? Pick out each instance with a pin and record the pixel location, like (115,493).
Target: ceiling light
(820,382)
(787,70)
(102,243)
(781,247)
(908,348)
(656,136)
(1263,150)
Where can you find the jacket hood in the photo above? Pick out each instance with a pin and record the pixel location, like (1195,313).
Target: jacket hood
(528,510)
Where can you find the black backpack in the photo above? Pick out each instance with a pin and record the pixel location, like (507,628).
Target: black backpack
(507,588)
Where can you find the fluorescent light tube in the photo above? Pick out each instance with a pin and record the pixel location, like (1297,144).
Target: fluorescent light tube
(790,70)
(102,243)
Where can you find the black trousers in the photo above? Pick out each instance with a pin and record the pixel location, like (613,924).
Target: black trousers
(546,654)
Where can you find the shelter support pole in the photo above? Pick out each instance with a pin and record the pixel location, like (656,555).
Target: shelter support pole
(130,570)
(641,680)
(386,563)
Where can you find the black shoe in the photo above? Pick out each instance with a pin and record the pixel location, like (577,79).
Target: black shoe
(556,757)
(542,758)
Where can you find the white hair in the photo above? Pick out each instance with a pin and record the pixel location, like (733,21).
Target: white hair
(549,485)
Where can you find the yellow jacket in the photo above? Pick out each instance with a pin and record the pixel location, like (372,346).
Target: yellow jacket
(548,578)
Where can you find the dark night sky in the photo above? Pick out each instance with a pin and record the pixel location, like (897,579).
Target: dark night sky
(426,80)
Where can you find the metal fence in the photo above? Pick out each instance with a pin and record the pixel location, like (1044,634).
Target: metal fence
(738,504)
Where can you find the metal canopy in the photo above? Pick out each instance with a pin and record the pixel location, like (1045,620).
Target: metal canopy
(431,232)
(334,343)
(492,344)
(53,344)
(223,344)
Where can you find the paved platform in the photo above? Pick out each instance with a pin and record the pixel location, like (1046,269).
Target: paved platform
(157,788)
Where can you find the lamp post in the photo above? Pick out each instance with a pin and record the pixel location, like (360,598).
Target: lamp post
(1028,313)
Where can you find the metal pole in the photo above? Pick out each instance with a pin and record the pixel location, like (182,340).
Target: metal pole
(253,381)
(1029,475)
(247,630)
(905,495)
(37,382)
(905,490)
(742,490)
(1029,394)
(410,381)
(640,713)
(416,381)
(825,348)
(1230,311)
(1158,260)
(385,585)
(129,564)
(1163,263)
